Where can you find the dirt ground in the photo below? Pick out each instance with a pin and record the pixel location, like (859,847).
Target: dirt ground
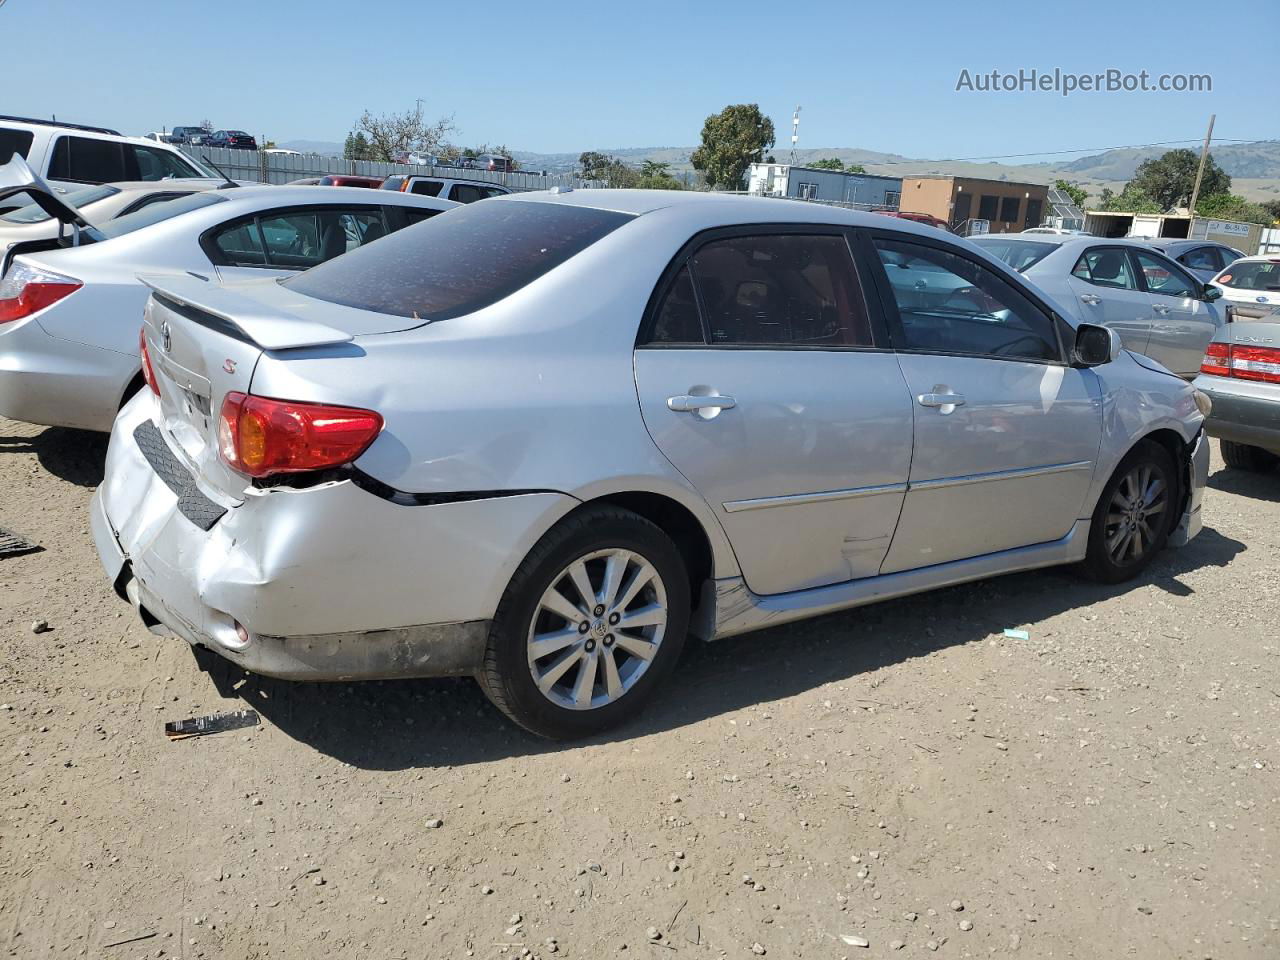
(905,774)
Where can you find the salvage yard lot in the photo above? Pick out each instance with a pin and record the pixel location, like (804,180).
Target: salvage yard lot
(1107,787)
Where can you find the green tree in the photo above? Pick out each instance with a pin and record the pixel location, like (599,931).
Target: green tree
(1169,179)
(1077,194)
(657,176)
(1272,207)
(1129,200)
(356,147)
(610,169)
(1226,206)
(391,134)
(828,163)
(732,140)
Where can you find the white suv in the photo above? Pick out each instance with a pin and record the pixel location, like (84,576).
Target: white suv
(446,188)
(67,154)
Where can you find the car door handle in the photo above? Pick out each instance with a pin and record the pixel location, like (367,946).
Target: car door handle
(1091,299)
(942,400)
(1160,309)
(688,404)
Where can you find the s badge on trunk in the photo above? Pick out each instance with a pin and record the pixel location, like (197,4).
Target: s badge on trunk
(229,365)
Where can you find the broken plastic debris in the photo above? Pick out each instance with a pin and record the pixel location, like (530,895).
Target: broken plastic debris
(1016,634)
(214,723)
(12,544)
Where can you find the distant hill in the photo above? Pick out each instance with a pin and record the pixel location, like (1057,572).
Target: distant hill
(1260,160)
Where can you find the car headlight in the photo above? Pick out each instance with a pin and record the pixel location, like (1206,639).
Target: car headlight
(1203,402)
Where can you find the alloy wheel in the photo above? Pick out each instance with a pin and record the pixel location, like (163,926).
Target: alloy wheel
(1135,514)
(597,628)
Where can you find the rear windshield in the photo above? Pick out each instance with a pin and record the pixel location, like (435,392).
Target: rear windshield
(156,212)
(1252,275)
(34,213)
(1018,254)
(460,262)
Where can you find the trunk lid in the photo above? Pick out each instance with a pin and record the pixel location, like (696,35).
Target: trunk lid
(204,341)
(16,178)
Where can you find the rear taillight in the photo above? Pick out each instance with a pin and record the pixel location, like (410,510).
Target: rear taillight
(148,373)
(26,290)
(1217,360)
(1242,363)
(260,437)
(1255,363)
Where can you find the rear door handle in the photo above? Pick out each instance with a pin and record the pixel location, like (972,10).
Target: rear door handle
(1091,299)
(688,404)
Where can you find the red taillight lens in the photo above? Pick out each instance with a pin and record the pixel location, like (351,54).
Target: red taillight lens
(26,290)
(1217,360)
(261,437)
(148,373)
(1255,363)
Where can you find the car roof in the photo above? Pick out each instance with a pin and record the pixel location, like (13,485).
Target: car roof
(191,184)
(283,195)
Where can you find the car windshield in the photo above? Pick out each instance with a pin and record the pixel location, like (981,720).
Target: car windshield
(33,213)
(157,212)
(1019,254)
(1252,275)
(458,263)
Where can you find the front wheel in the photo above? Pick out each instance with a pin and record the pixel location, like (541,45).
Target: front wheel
(1134,515)
(591,623)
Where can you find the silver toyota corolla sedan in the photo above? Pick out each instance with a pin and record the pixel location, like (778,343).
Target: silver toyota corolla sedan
(542,438)
(71,306)
(1156,306)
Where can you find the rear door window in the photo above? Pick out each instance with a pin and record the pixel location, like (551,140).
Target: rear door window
(677,321)
(465,193)
(293,240)
(240,244)
(426,188)
(455,265)
(1106,267)
(88,160)
(14,143)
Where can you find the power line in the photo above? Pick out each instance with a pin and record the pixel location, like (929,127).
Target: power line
(1050,153)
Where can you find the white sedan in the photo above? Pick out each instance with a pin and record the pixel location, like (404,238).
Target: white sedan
(70,313)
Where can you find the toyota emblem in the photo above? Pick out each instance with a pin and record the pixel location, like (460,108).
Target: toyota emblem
(166,336)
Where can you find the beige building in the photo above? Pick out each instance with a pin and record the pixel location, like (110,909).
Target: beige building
(1007,207)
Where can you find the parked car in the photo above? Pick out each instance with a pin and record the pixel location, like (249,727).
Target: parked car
(1202,258)
(71,155)
(281,152)
(32,226)
(1158,308)
(191,135)
(1057,231)
(69,315)
(925,218)
(460,191)
(234,139)
(1241,375)
(494,163)
(1251,287)
(349,180)
(541,438)
(304,182)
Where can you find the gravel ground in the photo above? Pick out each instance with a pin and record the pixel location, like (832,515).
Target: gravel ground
(901,780)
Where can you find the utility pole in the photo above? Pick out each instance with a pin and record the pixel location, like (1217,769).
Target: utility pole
(1204,155)
(795,134)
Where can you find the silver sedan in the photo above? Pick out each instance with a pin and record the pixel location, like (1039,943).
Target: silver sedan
(1157,307)
(542,438)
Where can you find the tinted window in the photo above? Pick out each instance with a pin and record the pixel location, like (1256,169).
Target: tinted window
(459,263)
(414,215)
(34,213)
(464,193)
(426,188)
(1018,254)
(293,240)
(14,141)
(949,304)
(677,318)
(89,161)
(161,164)
(240,244)
(1164,278)
(987,207)
(1009,209)
(159,212)
(1106,268)
(1201,258)
(783,290)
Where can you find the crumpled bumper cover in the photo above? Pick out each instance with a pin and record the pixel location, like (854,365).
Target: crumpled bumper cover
(1190,523)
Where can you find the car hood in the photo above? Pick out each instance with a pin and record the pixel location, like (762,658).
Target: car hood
(18,178)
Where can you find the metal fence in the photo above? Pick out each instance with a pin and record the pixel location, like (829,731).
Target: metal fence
(263,167)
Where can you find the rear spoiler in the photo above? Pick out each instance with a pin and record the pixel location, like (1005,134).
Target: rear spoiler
(267,326)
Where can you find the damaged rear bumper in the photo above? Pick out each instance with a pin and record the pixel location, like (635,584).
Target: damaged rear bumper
(325,583)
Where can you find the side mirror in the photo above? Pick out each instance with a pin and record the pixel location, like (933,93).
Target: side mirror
(1212,293)
(1095,345)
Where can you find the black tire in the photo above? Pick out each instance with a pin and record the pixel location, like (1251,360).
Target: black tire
(1110,557)
(506,676)
(1242,456)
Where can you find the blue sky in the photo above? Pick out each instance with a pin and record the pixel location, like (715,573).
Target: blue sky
(569,77)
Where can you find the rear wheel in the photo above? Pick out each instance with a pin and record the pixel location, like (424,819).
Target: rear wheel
(1242,456)
(1134,515)
(592,622)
